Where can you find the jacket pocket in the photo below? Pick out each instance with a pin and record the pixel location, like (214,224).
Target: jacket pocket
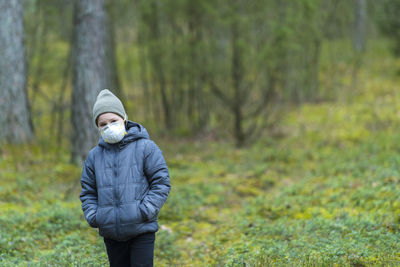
(142,213)
(105,216)
(130,213)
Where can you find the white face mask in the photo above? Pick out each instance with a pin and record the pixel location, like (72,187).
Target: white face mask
(113,132)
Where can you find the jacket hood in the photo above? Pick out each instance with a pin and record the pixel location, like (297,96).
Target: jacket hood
(134,131)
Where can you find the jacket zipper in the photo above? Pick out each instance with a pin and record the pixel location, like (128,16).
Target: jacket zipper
(116,193)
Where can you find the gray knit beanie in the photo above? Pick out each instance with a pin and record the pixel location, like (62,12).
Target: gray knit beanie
(107,102)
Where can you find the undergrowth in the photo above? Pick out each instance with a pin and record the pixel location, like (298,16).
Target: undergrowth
(325,192)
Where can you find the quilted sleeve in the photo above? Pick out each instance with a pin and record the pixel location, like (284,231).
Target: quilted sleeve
(88,195)
(156,171)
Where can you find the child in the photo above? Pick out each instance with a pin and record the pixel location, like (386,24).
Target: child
(125,182)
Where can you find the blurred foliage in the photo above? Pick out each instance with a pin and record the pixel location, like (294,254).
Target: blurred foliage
(184,48)
(320,189)
(389,22)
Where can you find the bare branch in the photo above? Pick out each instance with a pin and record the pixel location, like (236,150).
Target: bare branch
(221,95)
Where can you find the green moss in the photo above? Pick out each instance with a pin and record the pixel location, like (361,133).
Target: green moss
(324,193)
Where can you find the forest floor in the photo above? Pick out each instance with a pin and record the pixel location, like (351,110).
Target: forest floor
(325,192)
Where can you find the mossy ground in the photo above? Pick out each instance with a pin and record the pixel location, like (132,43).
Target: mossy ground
(324,192)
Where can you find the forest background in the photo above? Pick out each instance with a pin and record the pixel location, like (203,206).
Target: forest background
(278,120)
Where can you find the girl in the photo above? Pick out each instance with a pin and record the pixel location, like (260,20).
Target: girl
(125,182)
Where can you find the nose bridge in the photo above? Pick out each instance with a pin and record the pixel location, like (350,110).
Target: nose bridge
(105,127)
(109,123)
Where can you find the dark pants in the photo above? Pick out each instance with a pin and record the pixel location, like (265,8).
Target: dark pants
(138,251)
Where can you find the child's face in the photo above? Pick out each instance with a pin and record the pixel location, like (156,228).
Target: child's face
(107,118)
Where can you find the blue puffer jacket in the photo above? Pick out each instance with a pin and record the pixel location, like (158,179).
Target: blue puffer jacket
(124,185)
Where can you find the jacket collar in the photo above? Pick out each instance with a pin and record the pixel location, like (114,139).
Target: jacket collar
(134,131)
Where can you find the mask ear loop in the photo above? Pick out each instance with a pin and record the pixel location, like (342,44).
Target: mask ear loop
(125,122)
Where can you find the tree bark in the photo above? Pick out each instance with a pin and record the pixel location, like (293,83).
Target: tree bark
(237,78)
(15,120)
(89,73)
(360,23)
(359,41)
(113,80)
(156,60)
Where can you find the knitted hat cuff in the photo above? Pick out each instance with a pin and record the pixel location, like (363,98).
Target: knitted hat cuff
(107,102)
(103,110)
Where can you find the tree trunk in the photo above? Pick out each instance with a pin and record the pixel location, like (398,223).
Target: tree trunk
(156,60)
(89,73)
(144,78)
(197,113)
(237,78)
(15,121)
(113,80)
(360,23)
